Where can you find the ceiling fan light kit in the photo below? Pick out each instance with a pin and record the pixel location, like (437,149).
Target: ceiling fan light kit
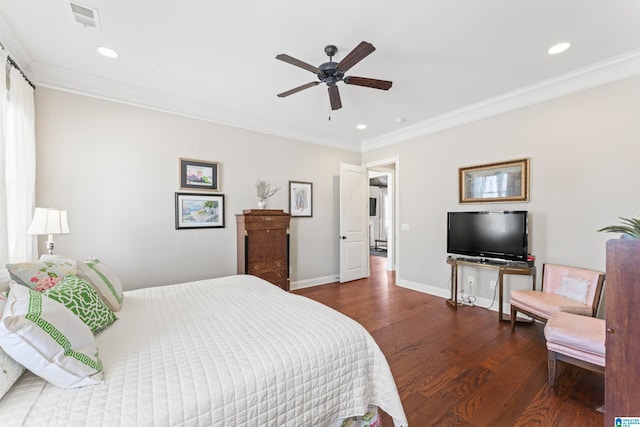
(331,73)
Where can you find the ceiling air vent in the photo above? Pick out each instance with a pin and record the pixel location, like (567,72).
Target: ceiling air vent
(85,16)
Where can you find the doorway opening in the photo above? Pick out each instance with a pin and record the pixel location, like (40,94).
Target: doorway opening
(383,210)
(378,213)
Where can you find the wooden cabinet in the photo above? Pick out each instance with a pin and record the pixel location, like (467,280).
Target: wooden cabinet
(263,245)
(622,360)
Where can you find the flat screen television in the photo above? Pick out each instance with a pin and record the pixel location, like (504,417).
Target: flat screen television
(498,235)
(372,206)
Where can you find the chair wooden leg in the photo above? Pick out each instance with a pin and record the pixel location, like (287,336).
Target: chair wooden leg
(553,358)
(513,318)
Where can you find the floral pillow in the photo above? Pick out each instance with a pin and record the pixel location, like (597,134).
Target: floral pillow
(59,259)
(5,278)
(41,275)
(10,370)
(79,297)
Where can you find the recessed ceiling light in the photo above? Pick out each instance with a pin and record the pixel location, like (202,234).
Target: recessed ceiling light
(109,53)
(559,48)
(361,126)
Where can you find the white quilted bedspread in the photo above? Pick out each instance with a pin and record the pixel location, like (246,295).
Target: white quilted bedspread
(234,351)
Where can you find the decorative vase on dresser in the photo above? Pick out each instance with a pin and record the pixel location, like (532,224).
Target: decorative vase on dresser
(263,245)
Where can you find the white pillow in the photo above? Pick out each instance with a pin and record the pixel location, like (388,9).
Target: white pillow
(103,280)
(49,340)
(575,289)
(10,370)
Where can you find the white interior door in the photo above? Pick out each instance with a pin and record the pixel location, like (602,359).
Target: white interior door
(354,224)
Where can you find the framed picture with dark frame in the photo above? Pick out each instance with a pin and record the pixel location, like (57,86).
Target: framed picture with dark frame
(495,182)
(199,175)
(300,199)
(198,210)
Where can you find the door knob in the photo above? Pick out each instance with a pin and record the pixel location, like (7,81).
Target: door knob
(343,237)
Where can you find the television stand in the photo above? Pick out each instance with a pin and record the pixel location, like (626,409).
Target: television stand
(513,268)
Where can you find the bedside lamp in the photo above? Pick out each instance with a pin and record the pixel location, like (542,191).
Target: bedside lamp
(49,221)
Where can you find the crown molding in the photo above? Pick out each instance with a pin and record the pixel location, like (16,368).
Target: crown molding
(97,87)
(610,70)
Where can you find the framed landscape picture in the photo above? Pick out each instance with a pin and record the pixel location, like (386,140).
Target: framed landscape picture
(300,199)
(199,175)
(495,182)
(197,210)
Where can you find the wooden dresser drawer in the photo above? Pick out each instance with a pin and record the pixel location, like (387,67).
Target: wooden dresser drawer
(278,278)
(258,267)
(266,222)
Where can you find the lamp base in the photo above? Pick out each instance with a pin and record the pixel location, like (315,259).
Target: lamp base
(49,244)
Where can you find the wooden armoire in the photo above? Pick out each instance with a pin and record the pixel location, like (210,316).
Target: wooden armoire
(622,345)
(263,245)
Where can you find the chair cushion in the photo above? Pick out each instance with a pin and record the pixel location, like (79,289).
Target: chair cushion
(577,336)
(544,304)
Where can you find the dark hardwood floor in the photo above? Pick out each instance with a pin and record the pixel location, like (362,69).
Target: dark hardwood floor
(463,368)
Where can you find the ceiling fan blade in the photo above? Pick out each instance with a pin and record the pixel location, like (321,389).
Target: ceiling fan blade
(373,83)
(334,98)
(298,89)
(293,61)
(360,52)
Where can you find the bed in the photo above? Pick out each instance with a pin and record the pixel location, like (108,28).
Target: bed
(230,351)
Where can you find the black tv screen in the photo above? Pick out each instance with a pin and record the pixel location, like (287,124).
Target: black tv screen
(499,235)
(372,206)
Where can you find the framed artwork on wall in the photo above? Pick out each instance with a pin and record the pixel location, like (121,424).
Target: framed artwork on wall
(300,199)
(495,182)
(199,175)
(197,210)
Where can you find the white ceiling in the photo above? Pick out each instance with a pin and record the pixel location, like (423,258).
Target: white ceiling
(450,61)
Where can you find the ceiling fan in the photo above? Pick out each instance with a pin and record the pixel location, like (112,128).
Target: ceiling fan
(331,72)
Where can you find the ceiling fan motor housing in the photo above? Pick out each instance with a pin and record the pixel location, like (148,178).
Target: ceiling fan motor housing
(329,73)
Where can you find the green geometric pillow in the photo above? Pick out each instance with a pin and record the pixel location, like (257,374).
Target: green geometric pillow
(79,297)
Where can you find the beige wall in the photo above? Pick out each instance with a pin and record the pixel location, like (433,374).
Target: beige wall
(584,150)
(114,167)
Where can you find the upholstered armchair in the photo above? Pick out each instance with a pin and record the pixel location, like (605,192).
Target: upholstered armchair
(564,288)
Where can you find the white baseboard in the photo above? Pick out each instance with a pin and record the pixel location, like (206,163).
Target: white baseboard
(480,302)
(300,284)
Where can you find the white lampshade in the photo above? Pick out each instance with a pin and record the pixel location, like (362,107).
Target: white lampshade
(49,221)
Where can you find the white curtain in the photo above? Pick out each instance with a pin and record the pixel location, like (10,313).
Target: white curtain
(18,157)
(4,232)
